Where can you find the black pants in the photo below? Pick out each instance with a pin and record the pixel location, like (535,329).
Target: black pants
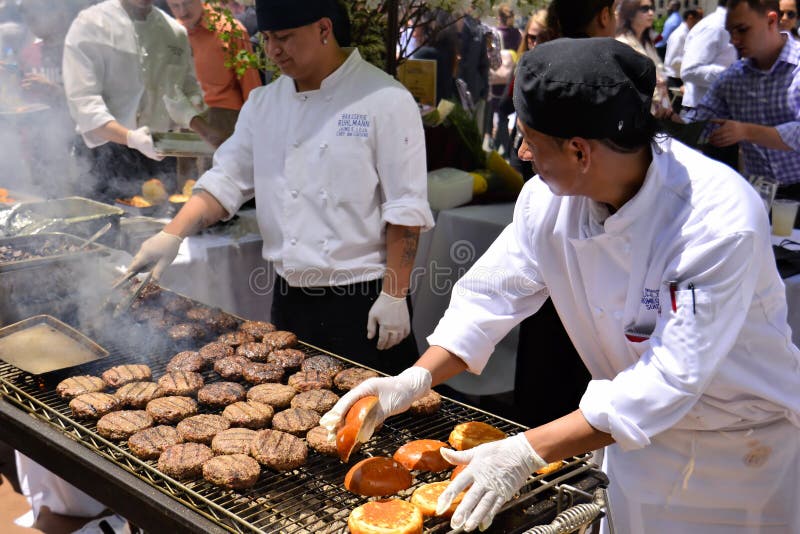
(550,378)
(112,171)
(335,319)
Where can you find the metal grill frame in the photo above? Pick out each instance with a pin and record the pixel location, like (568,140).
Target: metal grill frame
(216,514)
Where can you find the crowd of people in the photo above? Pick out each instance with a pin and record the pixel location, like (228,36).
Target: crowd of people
(333,152)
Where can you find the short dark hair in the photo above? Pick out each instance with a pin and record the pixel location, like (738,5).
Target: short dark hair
(571,18)
(691,13)
(760,6)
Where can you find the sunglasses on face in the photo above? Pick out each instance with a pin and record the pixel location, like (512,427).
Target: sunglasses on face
(532,38)
(645,9)
(790,14)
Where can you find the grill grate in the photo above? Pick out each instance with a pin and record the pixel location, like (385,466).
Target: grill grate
(310,499)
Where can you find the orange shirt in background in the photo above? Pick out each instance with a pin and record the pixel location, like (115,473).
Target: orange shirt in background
(221,86)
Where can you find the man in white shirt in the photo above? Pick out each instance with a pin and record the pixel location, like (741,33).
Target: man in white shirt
(707,53)
(660,264)
(676,43)
(128,71)
(333,152)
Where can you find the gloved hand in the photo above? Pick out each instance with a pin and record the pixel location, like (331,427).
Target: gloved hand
(180,108)
(141,140)
(390,314)
(496,472)
(395,394)
(159,251)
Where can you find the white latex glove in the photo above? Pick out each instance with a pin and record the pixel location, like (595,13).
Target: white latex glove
(180,108)
(395,394)
(158,251)
(390,315)
(141,140)
(496,472)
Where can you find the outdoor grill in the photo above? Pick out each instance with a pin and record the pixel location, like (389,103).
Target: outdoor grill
(310,499)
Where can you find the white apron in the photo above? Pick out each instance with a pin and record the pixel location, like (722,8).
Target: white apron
(725,482)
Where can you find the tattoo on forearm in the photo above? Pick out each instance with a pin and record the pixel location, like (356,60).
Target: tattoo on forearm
(410,239)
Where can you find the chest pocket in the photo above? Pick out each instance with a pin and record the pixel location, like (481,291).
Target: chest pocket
(350,169)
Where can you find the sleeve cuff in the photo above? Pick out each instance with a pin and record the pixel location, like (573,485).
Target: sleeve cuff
(599,411)
(224,190)
(463,339)
(790,134)
(408,212)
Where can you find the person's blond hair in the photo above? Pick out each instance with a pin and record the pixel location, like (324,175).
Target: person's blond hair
(540,19)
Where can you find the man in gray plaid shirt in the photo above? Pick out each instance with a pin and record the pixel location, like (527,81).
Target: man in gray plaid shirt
(756,101)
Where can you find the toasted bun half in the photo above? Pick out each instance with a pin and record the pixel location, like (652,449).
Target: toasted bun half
(359,423)
(457,470)
(391,516)
(427,496)
(377,477)
(422,455)
(473,433)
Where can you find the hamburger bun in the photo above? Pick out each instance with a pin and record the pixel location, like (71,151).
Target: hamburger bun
(473,433)
(422,455)
(377,477)
(457,470)
(426,497)
(391,516)
(359,424)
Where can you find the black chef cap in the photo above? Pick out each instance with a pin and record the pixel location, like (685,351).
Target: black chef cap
(276,15)
(594,88)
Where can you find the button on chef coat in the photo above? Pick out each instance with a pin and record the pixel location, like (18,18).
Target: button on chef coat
(724,359)
(116,68)
(333,165)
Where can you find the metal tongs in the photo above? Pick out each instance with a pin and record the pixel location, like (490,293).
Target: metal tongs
(128,298)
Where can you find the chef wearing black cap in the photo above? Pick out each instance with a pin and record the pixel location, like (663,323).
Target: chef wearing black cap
(334,153)
(659,263)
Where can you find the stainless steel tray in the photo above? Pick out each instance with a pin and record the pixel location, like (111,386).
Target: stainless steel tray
(42,344)
(39,240)
(181,144)
(76,215)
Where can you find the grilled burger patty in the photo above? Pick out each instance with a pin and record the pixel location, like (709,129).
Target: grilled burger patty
(324,364)
(184,460)
(138,394)
(287,358)
(276,395)
(178,304)
(426,405)
(199,314)
(235,471)
(181,383)
(351,377)
(250,414)
(148,444)
(123,424)
(78,385)
(261,373)
(257,329)
(233,441)
(221,394)
(171,409)
(280,339)
(318,400)
(253,351)
(308,380)
(317,439)
(295,421)
(202,428)
(230,368)
(215,350)
(222,322)
(122,374)
(186,332)
(234,339)
(278,450)
(93,405)
(187,360)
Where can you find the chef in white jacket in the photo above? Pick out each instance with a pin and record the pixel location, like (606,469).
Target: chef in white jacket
(334,153)
(658,261)
(128,71)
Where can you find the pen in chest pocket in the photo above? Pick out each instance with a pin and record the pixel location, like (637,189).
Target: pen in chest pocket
(673,289)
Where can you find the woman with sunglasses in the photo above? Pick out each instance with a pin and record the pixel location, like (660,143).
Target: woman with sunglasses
(634,23)
(788,17)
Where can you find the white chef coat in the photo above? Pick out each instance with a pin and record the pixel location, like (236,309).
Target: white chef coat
(723,361)
(675,47)
(328,168)
(116,68)
(706,54)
